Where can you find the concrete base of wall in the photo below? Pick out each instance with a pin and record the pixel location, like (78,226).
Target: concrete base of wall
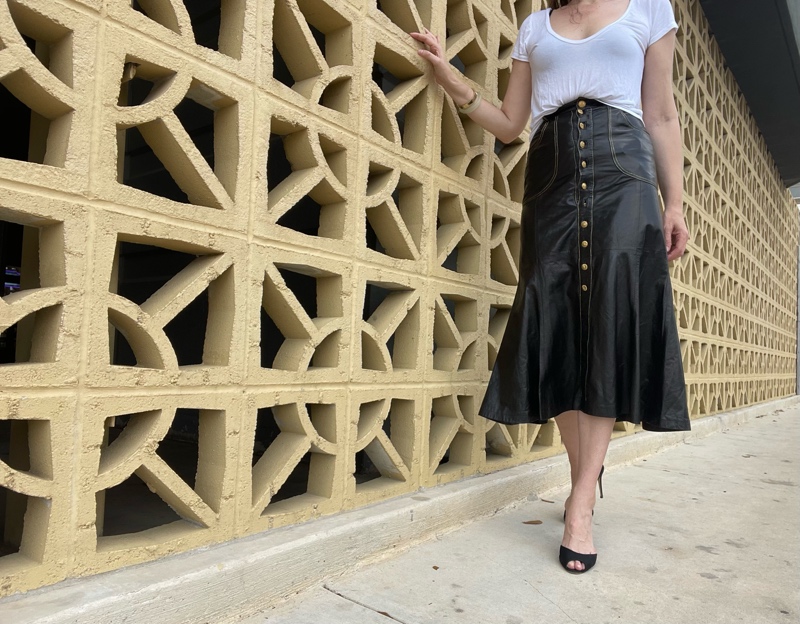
(236,579)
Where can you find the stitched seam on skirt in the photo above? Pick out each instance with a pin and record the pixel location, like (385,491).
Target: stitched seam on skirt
(627,119)
(541,136)
(591,267)
(577,195)
(527,201)
(576,188)
(555,162)
(614,155)
(638,276)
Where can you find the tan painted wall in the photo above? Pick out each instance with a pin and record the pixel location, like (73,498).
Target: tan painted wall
(437,188)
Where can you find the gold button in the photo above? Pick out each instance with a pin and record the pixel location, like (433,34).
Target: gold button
(584,243)
(582,125)
(584,224)
(584,288)
(583,164)
(582,144)
(583,185)
(581,103)
(585,267)
(580,112)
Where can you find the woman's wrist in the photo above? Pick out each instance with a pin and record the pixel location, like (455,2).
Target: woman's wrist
(460,93)
(674,208)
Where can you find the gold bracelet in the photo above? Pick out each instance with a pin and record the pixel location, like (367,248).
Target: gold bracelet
(472,105)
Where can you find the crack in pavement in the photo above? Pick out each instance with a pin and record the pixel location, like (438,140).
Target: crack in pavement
(536,589)
(361,604)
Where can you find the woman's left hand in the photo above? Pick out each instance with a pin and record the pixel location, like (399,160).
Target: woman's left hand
(433,52)
(676,234)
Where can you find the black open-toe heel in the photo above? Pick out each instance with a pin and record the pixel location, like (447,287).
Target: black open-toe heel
(565,555)
(599,484)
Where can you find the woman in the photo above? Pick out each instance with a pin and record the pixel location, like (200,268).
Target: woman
(591,337)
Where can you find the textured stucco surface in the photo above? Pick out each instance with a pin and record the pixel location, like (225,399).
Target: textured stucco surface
(413,262)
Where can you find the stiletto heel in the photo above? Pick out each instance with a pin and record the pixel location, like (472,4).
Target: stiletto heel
(600,480)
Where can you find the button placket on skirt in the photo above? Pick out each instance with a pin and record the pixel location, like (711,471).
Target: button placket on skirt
(585,183)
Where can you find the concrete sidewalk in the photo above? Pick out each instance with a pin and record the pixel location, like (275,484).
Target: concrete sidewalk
(703,532)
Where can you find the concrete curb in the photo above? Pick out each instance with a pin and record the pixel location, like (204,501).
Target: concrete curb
(236,579)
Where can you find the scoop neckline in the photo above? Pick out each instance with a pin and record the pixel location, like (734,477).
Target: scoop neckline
(590,37)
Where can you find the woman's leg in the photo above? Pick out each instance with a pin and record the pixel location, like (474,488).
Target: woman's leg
(568,429)
(594,434)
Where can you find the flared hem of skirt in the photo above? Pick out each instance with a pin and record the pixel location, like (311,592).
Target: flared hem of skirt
(521,418)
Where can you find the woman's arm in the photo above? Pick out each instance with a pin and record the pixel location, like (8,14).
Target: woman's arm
(661,121)
(506,122)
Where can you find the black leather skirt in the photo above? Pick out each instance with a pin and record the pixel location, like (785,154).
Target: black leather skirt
(592,326)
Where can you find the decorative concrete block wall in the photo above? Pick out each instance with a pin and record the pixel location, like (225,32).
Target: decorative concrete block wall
(265,266)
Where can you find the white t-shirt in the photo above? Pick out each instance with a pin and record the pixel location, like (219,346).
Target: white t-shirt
(608,66)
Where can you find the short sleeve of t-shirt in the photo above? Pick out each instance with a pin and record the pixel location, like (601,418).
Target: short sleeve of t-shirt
(662,19)
(520,51)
